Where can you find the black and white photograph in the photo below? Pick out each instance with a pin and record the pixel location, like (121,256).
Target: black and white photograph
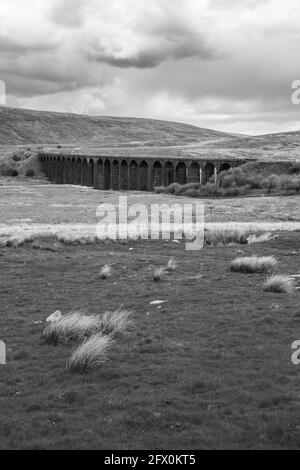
(149,227)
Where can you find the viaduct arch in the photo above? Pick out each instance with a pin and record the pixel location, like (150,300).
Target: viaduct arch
(128,173)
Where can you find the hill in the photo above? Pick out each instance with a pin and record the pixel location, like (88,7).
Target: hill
(27,127)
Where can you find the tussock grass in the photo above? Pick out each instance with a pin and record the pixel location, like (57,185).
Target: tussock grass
(15,241)
(90,355)
(77,239)
(171,266)
(73,326)
(254,264)
(260,237)
(105,272)
(115,322)
(76,326)
(158,274)
(280,284)
(225,237)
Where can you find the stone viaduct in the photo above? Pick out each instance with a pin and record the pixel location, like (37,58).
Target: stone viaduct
(130,173)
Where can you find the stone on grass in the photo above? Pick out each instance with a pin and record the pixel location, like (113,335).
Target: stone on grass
(56,316)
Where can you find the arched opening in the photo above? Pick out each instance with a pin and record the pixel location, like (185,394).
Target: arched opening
(68,171)
(99,175)
(124,175)
(157,174)
(58,179)
(133,176)
(169,174)
(143,180)
(181,173)
(107,168)
(115,175)
(85,173)
(208,173)
(195,173)
(51,170)
(224,167)
(79,170)
(73,172)
(91,173)
(63,171)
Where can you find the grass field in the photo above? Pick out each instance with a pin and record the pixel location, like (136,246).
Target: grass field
(25,203)
(209,368)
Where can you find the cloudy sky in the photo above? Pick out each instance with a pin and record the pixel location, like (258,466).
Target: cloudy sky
(222,64)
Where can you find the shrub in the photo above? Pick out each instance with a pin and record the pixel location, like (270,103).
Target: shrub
(10,172)
(90,355)
(192,193)
(279,284)
(295,168)
(291,184)
(16,157)
(254,264)
(175,188)
(161,189)
(271,183)
(30,173)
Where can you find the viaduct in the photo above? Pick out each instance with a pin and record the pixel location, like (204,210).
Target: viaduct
(130,173)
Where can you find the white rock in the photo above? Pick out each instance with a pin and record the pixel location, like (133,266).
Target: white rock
(56,316)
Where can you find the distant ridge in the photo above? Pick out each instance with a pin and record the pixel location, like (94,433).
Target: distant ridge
(26,127)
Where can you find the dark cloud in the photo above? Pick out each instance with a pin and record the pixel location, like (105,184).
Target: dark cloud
(208,62)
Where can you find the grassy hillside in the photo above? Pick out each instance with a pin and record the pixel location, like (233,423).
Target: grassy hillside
(26,127)
(21,129)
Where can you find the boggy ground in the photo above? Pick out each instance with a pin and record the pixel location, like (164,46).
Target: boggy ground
(211,368)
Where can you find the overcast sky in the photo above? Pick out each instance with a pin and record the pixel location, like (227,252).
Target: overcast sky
(222,64)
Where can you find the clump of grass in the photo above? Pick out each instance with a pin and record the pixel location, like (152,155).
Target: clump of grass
(73,326)
(16,241)
(105,272)
(225,237)
(46,247)
(115,322)
(76,239)
(260,237)
(254,264)
(171,266)
(77,326)
(279,284)
(91,354)
(158,274)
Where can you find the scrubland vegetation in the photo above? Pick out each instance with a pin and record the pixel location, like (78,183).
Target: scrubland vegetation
(20,161)
(252,178)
